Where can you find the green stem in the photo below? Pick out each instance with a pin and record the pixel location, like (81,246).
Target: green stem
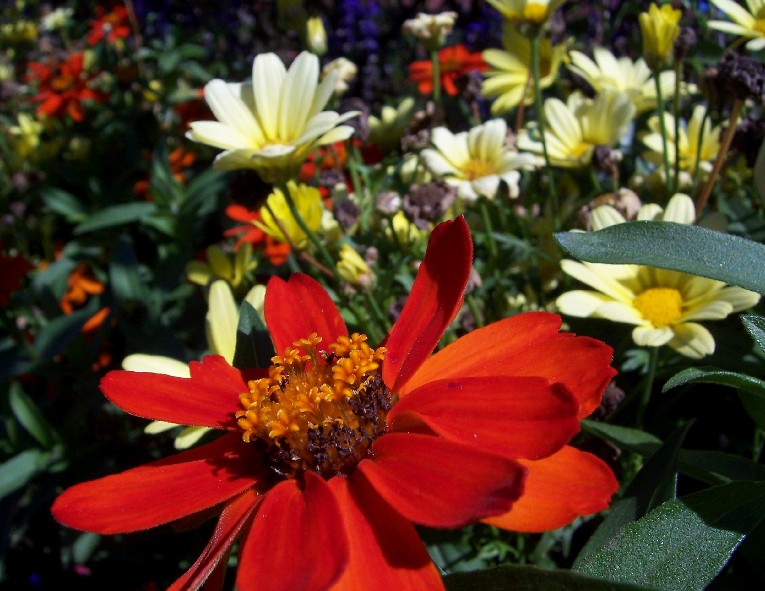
(553,196)
(312,237)
(653,361)
(381,320)
(488,230)
(436,76)
(676,113)
(663,127)
(699,141)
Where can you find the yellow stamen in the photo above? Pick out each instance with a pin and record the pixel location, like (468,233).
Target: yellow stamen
(477,169)
(307,410)
(661,306)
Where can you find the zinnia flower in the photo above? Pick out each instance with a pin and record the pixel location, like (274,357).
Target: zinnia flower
(745,24)
(659,27)
(476,161)
(576,127)
(663,305)
(329,457)
(633,78)
(274,122)
(453,62)
(111,26)
(63,87)
(510,78)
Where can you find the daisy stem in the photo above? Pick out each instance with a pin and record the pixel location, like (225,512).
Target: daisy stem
(321,249)
(699,141)
(488,230)
(541,121)
(706,190)
(653,361)
(663,127)
(436,76)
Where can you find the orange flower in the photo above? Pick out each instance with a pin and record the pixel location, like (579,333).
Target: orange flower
(62,87)
(329,457)
(275,251)
(179,161)
(111,25)
(453,62)
(79,287)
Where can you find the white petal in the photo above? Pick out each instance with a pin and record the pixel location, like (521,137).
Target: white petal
(580,303)
(218,135)
(599,278)
(229,108)
(692,340)
(297,95)
(680,209)
(155,364)
(714,310)
(487,186)
(436,163)
(189,436)
(650,212)
(647,336)
(268,74)
(156,427)
(605,216)
(453,147)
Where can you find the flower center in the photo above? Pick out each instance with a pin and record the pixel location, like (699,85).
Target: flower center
(477,169)
(661,306)
(317,410)
(580,150)
(759,25)
(62,82)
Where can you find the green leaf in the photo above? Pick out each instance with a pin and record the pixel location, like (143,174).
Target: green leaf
(530,578)
(751,390)
(683,544)
(625,437)
(253,341)
(655,483)
(124,279)
(116,215)
(667,245)
(21,468)
(30,417)
(59,332)
(64,204)
(755,326)
(716,467)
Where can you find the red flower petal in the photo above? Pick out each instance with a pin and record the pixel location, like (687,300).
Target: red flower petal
(296,541)
(386,552)
(440,483)
(525,345)
(236,514)
(209,398)
(161,491)
(559,489)
(517,417)
(296,308)
(435,299)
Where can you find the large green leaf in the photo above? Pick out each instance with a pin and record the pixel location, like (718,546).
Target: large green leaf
(23,467)
(116,215)
(30,417)
(530,578)
(755,326)
(690,249)
(751,390)
(253,341)
(683,544)
(654,484)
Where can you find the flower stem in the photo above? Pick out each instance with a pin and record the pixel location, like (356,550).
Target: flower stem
(706,190)
(676,113)
(436,67)
(488,230)
(553,196)
(663,127)
(653,361)
(321,249)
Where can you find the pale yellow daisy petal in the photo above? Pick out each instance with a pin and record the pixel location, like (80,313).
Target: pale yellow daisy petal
(297,95)
(221,320)
(713,310)
(734,11)
(650,212)
(692,340)
(599,279)
(648,336)
(453,147)
(268,74)
(680,209)
(620,312)
(580,303)
(216,134)
(605,216)
(143,363)
(156,427)
(189,436)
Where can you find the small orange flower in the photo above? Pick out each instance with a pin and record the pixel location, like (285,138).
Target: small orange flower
(63,87)
(79,287)
(453,62)
(275,251)
(179,161)
(112,26)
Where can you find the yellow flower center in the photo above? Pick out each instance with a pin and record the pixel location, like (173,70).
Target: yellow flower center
(661,306)
(477,169)
(759,25)
(317,410)
(535,13)
(580,150)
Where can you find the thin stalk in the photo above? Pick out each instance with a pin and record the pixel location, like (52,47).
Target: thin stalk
(488,230)
(653,361)
(553,196)
(436,76)
(676,113)
(379,316)
(706,190)
(699,140)
(663,128)
(314,239)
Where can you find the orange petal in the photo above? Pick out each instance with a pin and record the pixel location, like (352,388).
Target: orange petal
(297,539)
(416,474)
(516,417)
(296,308)
(434,300)
(526,345)
(160,492)
(386,552)
(208,398)
(236,514)
(567,485)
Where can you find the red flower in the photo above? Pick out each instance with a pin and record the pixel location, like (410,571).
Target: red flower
(111,26)
(12,269)
(453,62)
(63,87)
(276,252)
(328,461)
